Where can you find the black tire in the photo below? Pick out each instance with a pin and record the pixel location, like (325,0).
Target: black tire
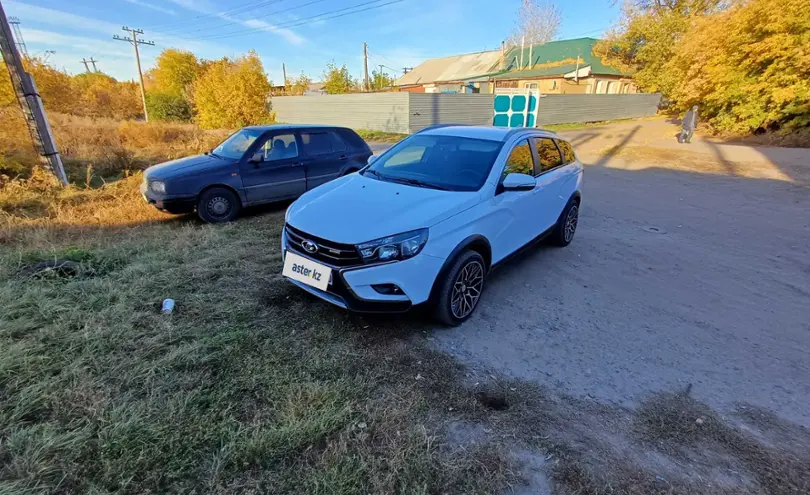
(218,205)
(564,231)
(455,314)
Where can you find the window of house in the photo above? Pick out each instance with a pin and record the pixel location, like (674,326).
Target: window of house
(520,160)
(547,154)
(319,143)
(554,84)
(567,151)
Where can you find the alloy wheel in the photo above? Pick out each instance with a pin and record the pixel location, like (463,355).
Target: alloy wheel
(467,289)
(571,223)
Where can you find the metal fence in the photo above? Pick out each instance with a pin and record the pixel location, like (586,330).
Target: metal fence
(410,112)
(565,109)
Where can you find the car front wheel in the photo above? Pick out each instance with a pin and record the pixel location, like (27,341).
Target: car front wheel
(461,289)
(217,205)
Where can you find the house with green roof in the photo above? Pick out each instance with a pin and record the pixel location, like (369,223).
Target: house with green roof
(556,67)
(559,67)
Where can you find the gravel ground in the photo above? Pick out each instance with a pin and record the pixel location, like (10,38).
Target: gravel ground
(719,299)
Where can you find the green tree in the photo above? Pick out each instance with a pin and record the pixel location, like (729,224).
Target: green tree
(168,107)
(232,93)
(337,80)
(380,80)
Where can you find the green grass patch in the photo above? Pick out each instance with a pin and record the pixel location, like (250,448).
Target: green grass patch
(381,136)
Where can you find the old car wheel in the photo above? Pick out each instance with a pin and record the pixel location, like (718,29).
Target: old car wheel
(218,205)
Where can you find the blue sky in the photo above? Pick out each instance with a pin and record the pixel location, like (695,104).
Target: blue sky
(291,31)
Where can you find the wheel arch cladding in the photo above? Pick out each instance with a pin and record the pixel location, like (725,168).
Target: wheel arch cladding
(222,186)
(477,243)
(576,197)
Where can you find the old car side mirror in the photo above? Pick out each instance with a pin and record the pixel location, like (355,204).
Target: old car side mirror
(257,157)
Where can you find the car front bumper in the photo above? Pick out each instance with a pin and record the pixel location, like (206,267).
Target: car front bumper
(169,204)
(351,288)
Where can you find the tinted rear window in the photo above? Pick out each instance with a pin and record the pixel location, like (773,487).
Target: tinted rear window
(567,151)
(353,139)
(321,142)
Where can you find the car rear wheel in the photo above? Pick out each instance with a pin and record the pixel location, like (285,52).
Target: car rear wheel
(567,224)
(217,205)
(461,289)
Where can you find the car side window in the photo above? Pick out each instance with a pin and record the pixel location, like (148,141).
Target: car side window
(321,142)
(548,155)
(280,147)
(520,160)
(567,151)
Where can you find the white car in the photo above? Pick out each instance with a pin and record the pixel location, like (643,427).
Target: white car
(427,220)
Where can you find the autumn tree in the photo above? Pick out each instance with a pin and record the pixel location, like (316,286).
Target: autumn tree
(174,71)
(745,63)
(54,86)
(337,80)
(100,95)
(232,93)
(538,21)
(299,85)
(380,80)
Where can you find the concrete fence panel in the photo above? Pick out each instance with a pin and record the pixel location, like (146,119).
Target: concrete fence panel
(564,109)
(374,111)
(428,109)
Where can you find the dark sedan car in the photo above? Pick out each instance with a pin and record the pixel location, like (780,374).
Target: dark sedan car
(253,166)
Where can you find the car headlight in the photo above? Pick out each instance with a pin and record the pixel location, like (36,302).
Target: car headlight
(158,187)
(394,247)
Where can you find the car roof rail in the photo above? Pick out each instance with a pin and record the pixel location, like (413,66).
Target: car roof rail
(439,126)
(518,130)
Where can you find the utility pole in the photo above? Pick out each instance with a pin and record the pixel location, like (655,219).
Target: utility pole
(405,70)
(284,72)
(94,64)
(86,68)
(135,42)
(15,26)
(365,63)
(30,102)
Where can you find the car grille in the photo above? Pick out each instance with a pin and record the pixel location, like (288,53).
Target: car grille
(331,253)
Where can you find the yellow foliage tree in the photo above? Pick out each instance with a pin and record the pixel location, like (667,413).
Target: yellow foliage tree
(746,63)
(174,71)
(53,84)
(100,95)
(232,93)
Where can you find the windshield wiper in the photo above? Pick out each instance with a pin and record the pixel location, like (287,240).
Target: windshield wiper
(418,183)
(373,172)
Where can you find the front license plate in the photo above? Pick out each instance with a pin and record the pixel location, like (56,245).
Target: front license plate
(306,271)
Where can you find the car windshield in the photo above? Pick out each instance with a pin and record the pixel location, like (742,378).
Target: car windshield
(236,145)
(439,162)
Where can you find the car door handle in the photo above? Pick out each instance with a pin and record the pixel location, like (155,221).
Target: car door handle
(297,164)
(342,157)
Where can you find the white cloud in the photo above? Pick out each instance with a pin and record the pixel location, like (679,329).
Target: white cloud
(152,6)
(288,34)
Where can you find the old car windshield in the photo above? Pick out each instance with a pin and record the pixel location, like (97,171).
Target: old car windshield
(438,162)
(236,145)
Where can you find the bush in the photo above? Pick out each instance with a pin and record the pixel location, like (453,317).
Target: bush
(168,107)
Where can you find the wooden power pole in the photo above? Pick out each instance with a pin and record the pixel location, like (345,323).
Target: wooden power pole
(135,42)
(365,63)
(284,75)
(30,102)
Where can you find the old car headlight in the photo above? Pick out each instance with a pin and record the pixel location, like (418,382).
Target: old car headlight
(395,247)
(158,187)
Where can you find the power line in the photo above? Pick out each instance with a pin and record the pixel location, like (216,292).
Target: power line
(306,20)
(256,17)
(245,7)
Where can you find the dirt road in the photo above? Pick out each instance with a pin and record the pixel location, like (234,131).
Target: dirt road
(674,278)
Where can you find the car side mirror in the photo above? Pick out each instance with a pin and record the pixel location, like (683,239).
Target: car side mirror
(257,157)
(518,182)
(372,159)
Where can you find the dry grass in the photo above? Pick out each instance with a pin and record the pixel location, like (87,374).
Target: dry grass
(110,149)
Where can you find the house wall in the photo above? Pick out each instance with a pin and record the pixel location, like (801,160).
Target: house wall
(585,85)
(375,111)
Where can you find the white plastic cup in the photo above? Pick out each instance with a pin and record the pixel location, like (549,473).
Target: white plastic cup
(168,306)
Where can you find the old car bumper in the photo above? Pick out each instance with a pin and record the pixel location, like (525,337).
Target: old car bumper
(169,204)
